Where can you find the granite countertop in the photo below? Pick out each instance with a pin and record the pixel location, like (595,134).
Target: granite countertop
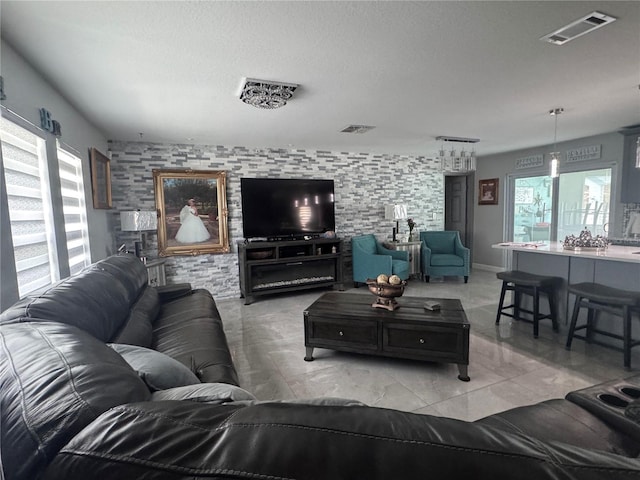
(612,252)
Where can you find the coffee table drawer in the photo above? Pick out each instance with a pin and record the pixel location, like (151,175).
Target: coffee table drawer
(429,343)
(328,332)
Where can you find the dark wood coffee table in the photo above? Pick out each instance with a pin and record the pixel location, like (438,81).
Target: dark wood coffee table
(347,322)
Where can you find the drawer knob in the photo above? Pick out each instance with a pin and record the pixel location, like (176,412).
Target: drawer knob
(422,340)
(341,333)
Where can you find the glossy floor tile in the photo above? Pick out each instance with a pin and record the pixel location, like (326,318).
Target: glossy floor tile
(508,367)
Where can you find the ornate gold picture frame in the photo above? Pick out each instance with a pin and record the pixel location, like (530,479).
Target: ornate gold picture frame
(192,211)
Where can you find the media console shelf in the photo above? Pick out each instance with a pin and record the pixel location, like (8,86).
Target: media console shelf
(272,267)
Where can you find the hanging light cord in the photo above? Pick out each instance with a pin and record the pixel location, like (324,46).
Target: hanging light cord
(555,137)
(555,112)
(554,155)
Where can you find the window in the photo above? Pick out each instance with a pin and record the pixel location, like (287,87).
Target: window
(29,202)
(46,205)
(74,210)
(584,199)
(532,209)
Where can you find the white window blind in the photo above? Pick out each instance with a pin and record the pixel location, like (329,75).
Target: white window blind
(74,210)
(29,201)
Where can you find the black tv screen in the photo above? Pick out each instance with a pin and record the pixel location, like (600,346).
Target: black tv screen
(275,208)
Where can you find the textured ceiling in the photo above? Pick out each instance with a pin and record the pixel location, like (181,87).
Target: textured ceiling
(415,70)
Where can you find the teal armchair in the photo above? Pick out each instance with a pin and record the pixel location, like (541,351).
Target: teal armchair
(370,259)
(443,254)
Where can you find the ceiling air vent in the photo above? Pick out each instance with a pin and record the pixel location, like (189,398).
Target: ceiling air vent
(576,29)
(357,129)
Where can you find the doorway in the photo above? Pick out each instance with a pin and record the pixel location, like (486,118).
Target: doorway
(458,206)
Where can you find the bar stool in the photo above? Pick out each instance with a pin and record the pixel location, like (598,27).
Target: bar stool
(528,284)
(601,298)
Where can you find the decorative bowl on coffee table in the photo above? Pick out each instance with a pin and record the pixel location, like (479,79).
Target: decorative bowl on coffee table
(386,294)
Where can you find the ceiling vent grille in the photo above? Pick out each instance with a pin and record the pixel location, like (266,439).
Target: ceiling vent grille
(359,129)
(576,29)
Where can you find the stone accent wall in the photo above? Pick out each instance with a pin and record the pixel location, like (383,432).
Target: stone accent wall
(364,183)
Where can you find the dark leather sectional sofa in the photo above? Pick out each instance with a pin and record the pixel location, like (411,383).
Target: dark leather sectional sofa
(72,407)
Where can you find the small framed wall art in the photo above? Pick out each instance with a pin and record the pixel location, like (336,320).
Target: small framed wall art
(488,191)
(100,179)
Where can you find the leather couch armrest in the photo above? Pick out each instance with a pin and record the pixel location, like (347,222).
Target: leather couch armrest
(167,293)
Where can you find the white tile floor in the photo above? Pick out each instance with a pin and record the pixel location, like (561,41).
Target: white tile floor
(508,367)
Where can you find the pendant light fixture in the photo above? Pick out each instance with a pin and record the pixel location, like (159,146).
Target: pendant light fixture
(462,162)
(555,155)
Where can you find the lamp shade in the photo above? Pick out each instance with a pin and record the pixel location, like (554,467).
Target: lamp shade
(138,220)
(395,212)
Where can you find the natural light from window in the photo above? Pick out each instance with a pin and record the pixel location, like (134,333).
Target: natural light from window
(29,202)
(75,212)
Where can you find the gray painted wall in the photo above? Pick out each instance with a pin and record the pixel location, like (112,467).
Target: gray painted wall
(489,220)
(364,183)
(27,91)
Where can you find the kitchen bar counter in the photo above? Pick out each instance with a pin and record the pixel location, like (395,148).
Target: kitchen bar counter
(616,266)
(612,252)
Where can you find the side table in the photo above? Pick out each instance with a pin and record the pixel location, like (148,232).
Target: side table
(414,254)
(155,272)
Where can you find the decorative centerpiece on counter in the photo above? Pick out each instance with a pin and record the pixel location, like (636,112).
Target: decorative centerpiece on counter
(585,241)
(386,289)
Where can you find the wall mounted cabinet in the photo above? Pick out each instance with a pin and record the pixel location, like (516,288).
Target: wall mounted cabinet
(630,188)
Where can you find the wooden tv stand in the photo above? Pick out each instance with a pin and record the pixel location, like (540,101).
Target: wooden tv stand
(286,266)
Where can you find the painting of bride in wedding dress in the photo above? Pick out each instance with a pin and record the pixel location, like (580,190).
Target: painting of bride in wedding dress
(192,212)
(192,229)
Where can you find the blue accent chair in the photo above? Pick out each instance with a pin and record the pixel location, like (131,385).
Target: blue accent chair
(370,259)
(443,254)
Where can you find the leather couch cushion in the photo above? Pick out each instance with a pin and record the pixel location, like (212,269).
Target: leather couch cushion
(157,370)
(563,421)
(97,300)
(190,330)
(204,393)
(56,379)
(138,328)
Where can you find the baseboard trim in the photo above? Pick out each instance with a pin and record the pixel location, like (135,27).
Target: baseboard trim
(488,268)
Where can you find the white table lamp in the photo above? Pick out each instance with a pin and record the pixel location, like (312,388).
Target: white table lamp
(396,213)
(138,221)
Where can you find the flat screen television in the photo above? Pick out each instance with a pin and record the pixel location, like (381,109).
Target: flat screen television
(285,208)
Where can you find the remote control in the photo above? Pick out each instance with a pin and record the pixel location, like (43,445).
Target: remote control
(433,306)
